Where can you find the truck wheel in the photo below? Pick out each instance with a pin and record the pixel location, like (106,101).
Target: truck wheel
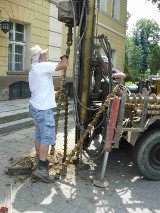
(147,155)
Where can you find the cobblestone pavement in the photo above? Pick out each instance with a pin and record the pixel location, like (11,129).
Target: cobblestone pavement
(74,192)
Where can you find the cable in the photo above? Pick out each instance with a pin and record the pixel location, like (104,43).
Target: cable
(93,158)
(129,92)
(97,17)
(75,58)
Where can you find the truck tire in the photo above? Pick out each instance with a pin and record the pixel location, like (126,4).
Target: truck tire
(147,155)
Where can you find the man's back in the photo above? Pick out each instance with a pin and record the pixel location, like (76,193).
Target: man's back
(41,85)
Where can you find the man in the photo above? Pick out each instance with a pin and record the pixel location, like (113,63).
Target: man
(41,103)
(101,89)
(100,84)
(115,73)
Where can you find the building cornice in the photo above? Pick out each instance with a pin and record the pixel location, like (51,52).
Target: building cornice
(111,29)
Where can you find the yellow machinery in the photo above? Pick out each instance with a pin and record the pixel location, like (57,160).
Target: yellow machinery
(103,106)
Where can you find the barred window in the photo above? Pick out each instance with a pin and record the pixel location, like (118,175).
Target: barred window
(16,47)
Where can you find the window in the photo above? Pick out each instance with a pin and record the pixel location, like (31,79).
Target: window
(115,9)
(102,5)
(16,47)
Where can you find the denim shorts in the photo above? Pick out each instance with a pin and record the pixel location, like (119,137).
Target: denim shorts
(44,125)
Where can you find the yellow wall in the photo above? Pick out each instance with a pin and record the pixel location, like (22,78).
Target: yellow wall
(115,30)
(35,15)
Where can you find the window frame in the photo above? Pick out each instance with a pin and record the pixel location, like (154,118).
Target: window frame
(115,5)
(101,4)
(13,42)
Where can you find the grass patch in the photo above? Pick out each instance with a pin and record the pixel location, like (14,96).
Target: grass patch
(128,83)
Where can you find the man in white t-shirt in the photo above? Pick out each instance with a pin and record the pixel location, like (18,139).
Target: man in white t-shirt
(42,102)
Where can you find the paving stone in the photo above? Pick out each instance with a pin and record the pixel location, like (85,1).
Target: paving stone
(74,192)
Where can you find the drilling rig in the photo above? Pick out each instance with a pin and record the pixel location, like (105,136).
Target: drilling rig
(103,106)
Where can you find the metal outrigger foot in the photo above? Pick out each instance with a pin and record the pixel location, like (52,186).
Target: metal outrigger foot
(102,182)
(110,137)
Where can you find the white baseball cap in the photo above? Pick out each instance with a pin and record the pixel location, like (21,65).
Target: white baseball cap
(35,53)
(105,58)
(37,50)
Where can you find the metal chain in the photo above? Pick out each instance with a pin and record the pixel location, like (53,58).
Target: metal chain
(61,95)
(65,127)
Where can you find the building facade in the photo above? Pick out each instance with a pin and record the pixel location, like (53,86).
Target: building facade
(111,21)
(36,22)
(32,22)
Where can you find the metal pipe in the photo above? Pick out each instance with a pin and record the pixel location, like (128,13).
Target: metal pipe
(86,60)
(104,164)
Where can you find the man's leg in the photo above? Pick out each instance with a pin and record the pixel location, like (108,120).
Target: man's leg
(42,170)
(43,152)
(47,134)
(37,146)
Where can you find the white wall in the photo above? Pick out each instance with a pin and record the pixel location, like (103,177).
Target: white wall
(55,36)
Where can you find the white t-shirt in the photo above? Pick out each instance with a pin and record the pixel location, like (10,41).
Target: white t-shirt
(41,85)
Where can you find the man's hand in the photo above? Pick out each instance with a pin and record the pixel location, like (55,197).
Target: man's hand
(63,56)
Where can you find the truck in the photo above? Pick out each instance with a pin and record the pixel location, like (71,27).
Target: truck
(115,113)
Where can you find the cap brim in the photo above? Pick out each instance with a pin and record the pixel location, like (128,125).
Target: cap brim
(44,51)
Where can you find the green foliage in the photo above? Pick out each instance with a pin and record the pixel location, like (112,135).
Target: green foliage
(150,28)
(133,58)
(142,50)
(157,2)
(145,50)
(128,83)
(154,59)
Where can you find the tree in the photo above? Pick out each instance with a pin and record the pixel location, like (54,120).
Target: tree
(154,59)
(145,33)
(139,56)
(133,58)
(144,50)
(157,2)
(151,29)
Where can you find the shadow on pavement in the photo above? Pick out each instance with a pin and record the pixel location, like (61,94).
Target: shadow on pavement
(74,193)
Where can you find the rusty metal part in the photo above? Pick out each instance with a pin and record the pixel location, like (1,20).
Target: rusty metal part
(65,128)
(149,112)
(139,106)
(60,96)
(112,121)
(139,99)
(86,132)
(136,103)
(69,36)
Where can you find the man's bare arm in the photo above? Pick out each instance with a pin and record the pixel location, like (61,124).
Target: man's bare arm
(63,64)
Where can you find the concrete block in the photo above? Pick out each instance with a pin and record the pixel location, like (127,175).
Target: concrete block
(21,12)
(8,9)
(15,11)
(55,25)
(26,14)
(53,11)
(55,39)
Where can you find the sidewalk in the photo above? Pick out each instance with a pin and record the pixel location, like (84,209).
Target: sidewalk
(10,106)
(74,193)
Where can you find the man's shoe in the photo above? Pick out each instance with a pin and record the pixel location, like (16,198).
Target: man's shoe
(37,162)
(43,175)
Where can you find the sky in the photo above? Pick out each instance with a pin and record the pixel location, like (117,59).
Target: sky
(141,9)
